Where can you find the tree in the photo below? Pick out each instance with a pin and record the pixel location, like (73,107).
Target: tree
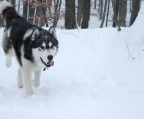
(57,6)
(135,10)
(13,2)
(25,6)
(103,19)
(70,19)
(100,9)
(122,12)
(115,5)
(30,12)
(1,20)
(107,12)
(95,3)
(80,11)
(86,14)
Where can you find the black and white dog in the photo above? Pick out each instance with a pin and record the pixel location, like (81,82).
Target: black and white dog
(33,46)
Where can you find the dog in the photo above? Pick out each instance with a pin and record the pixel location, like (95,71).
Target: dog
(33,47)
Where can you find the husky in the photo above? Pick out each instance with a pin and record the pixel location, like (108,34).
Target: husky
(33,47)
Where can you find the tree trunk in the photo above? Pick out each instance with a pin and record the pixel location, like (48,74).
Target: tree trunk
(70,19)
(116,7)
(103,19)
(100,9)
(122,13)
(57,6)
(31,13)
(13,2)
(95,3)
(86,14)
(135,10)
(25,8)
(107,12)
(115,16)
(80,11)
(1,20)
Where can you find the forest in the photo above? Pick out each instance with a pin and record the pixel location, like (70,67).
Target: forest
(72,14)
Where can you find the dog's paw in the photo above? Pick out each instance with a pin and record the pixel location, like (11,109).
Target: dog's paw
(20,86)
(8,62)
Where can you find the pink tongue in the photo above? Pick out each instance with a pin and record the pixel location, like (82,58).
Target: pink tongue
(51,63)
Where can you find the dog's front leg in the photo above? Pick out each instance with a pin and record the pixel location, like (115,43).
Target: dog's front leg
(19,78)
(27,81)
(36,81)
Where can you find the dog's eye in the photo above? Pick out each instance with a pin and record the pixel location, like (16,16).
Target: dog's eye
(51,47)
(42,47)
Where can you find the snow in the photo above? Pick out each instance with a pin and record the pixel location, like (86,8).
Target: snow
(98,74)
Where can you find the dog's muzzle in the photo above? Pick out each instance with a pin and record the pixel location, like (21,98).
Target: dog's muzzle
(48,64)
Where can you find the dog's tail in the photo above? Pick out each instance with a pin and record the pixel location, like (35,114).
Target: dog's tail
(4,5)
(7,11)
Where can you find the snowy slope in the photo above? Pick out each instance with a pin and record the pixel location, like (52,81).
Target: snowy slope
(98,74)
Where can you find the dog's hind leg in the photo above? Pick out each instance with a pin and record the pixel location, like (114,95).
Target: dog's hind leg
(36,81)
(8,58)
(19,78)
(6,44)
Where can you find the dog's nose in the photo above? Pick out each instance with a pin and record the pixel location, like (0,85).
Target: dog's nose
(50,57)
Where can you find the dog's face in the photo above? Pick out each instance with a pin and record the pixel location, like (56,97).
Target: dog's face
(45,47)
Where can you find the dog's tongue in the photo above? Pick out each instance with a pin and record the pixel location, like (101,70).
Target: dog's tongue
(51,63)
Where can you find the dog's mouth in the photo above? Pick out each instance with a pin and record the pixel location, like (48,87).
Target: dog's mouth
(48,64)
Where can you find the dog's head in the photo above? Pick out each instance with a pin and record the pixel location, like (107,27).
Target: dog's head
(45,46)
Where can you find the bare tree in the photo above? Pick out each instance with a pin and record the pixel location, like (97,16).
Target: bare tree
(122,12)
(115,21)
(135,10)
(100,9)
(107,12)
(95,3)
(103,19)
(80,11)
(25,9)
(57,7)
(1,20)
(13,2)
(86,14)
(115,4)
(70,19)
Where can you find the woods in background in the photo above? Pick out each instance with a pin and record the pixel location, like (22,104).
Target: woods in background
(76,13)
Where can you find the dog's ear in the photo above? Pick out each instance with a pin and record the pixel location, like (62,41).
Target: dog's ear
(52,31)
(35,34)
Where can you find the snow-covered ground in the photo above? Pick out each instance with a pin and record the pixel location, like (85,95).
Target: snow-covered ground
(98,74)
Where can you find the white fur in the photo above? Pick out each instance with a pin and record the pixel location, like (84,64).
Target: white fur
(27,34)
(9,31)
(53,32)
(4,5)
(11,53)
(35,34)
